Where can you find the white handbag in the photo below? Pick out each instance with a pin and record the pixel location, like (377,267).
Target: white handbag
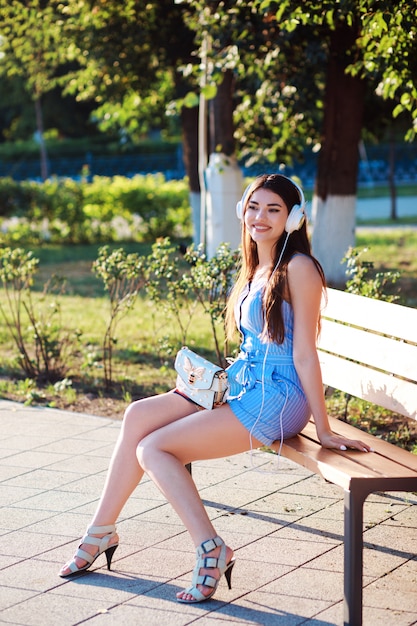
(201,381)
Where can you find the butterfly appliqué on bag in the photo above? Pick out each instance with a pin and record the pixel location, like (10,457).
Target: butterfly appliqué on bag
(194,373)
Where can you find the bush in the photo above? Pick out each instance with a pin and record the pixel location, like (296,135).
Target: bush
(106,210)
(45,348)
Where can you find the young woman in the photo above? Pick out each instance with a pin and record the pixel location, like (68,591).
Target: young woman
(275,386)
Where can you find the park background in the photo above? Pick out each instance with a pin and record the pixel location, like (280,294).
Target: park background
(114,122)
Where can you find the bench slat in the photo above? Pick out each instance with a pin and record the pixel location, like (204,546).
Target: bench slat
(313,457)
(387,354)
(340,468)
(382,389)
(372,314)
(353,462)
(384,449)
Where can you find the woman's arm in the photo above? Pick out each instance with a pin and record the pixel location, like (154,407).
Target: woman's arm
(305,288)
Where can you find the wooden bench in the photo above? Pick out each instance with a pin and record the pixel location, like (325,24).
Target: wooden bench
(367,348)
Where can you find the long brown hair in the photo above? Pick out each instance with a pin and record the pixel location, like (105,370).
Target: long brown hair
(277,287)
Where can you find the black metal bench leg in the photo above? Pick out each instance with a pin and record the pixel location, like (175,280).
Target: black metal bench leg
(353,554)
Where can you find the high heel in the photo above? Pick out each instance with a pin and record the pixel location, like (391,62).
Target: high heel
(103,546)
(209,562)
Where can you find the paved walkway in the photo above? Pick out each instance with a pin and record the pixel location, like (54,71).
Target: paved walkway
(371,208)
(285,524)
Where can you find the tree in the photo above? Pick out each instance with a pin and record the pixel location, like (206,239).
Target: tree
(32,50)
(130,59)
(303,77)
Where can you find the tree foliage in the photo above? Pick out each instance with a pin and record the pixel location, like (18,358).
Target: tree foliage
(279,52)
(385,51)
(132,58)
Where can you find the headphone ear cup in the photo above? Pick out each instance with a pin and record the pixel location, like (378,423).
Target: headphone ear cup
(295,219)
(240,205)
(239,209)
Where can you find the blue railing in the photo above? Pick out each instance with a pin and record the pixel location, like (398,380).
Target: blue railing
(374,168)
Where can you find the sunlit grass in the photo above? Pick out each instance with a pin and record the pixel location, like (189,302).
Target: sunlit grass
(390,250)
(147,338)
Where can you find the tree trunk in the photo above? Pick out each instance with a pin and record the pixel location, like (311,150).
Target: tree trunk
(334,201)
(189,121)
(221,126)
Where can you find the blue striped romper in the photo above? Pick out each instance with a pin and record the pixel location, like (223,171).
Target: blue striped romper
(276,408)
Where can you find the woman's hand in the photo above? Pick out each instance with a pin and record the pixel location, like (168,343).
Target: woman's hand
(331,440)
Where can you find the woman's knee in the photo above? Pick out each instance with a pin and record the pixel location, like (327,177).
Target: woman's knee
(146,451)
(134,419)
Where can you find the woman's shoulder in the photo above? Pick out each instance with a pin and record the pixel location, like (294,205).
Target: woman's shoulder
(302,269)
(301,260)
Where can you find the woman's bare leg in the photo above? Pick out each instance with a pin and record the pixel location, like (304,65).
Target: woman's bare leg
(164,453)
(124,474)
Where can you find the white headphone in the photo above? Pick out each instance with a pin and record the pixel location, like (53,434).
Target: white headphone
(296,216)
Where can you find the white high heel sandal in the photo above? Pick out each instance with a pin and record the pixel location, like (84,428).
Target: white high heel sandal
(209,562)
(103,546)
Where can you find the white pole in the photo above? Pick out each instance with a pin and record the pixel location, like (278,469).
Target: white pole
(202,143)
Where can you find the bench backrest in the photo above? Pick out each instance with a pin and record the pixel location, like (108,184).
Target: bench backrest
(368,348)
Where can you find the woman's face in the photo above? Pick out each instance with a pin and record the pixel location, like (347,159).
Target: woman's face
(265,216)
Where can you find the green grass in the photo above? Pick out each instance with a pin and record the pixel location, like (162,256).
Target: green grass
(391,250)
(75,264)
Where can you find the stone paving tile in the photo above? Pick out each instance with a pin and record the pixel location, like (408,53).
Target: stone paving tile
(130,614)
(25,544)
(31,575)
(53,501)
(82,463)
(313,485)
(251,522)
(12,495)
(306,583)
(49,479)
(14,597)
(14,517)
(78,446)
(111,588)
(272,549)
(50,610)
(285,525)
(372,616)
(81,483)
(21,442)
(327,531)
(67,524)
(277,609)
(33,458)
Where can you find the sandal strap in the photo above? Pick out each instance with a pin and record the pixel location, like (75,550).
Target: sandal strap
(82,554)
(196,594)
(207,581)
(210,562)
(209,545)
(100,542)
(99,530)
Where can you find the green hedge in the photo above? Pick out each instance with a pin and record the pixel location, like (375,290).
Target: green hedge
(103,211)
(101,145)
